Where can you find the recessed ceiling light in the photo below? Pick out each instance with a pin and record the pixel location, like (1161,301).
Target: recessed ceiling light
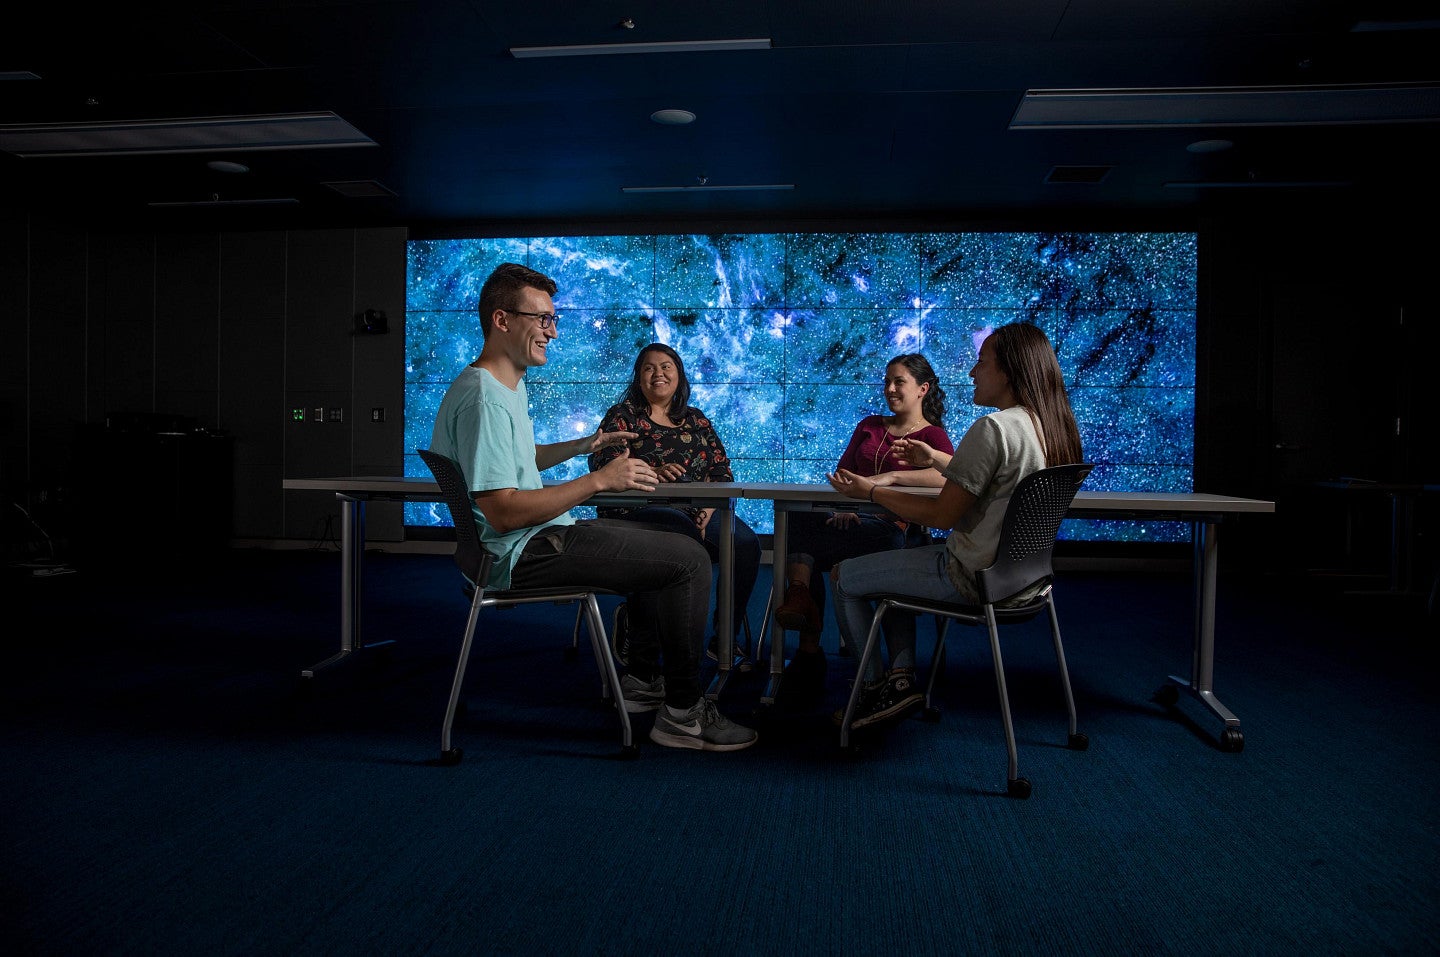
(662,46)
(673,117)
(707,188)
(1209,146)
(226,166)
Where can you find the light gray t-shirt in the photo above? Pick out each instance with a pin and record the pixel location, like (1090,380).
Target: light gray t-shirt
(486,427)
(996,452)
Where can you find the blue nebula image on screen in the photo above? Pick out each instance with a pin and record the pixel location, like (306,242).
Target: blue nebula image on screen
(785,338)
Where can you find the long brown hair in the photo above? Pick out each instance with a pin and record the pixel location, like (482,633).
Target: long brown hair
(1028,360)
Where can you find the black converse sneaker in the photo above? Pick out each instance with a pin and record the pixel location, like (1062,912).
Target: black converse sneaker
(897,698)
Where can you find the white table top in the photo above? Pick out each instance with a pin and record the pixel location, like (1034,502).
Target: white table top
(1175,503)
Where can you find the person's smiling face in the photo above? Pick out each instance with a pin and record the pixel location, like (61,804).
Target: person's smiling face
(992,386)
(902,392)
(658,378)
(531,338)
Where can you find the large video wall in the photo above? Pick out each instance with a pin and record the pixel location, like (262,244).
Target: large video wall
(785,337)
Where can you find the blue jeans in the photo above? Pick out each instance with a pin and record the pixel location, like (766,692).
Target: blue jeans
(917,572)
(746,551)
(666,578)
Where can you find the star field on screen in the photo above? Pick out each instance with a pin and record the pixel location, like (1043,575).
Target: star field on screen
(785,338)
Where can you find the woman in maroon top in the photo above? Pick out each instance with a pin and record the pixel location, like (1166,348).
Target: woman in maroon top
(679,442)
(817,540)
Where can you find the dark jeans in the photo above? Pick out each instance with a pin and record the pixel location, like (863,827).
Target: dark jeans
(810,541)
(665,578)
(747,551)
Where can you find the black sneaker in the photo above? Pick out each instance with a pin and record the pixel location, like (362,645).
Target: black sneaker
(869,691)
(702,728)
(620,635)
(895,698)
(640,695)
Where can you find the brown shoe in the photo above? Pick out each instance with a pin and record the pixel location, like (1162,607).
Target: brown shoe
(798,611)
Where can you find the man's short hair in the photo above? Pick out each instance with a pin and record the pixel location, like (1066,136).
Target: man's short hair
(503,288)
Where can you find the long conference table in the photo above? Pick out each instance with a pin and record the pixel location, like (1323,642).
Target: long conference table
(1203,511)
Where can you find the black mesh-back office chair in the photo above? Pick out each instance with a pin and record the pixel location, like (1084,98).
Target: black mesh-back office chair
(474,561)
(1022,560)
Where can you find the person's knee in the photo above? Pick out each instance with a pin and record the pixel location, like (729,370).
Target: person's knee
(692,556)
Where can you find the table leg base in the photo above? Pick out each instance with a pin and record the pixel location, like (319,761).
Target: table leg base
(1231,737)
(340,656)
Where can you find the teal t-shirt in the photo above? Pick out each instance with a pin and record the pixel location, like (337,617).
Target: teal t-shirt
(486,427)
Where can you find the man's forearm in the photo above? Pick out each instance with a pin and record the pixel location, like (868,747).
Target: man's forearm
(510,509)
(557,452)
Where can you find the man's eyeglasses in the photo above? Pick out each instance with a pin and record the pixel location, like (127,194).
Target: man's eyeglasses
(547,319)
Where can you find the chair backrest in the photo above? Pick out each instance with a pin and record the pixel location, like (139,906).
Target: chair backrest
(1027,535)
(472,557)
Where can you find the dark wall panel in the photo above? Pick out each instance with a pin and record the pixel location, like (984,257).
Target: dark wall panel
(187,325)
(14,364)
(251,374)
(59,355)
(121,348)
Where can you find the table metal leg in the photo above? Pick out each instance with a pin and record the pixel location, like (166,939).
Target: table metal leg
(778,551)
(1201,684)
(725,604)
(352,553)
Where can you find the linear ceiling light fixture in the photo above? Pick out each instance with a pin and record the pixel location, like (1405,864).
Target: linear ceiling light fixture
(277,131)
(665,46)
(707,188)
(196,203)
(1120,109)
(1263,184)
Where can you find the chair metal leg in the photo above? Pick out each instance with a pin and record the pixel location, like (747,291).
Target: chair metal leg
(582,613)
(1015,785)
(573,651)
(937,663)
(1076,740)
(449,755)
(870,641)
(610,677)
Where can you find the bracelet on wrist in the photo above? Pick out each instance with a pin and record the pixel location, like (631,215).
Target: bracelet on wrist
(872,492)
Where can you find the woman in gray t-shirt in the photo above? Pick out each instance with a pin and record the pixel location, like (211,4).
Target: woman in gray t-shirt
(1018,374)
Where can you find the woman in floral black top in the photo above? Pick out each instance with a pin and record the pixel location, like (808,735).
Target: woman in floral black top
(679,442)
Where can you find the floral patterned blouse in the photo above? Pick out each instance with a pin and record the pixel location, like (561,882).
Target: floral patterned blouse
(692,443)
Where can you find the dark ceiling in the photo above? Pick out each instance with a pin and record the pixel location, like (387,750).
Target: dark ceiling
(895,109)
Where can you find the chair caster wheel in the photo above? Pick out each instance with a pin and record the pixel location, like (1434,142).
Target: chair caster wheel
(629,752)
(1078,742)
(1232,740)
(448,759)
(1018,788)
(930,714)
(1168,695)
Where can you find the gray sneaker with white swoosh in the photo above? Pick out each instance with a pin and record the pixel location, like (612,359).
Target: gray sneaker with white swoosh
(701,728)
